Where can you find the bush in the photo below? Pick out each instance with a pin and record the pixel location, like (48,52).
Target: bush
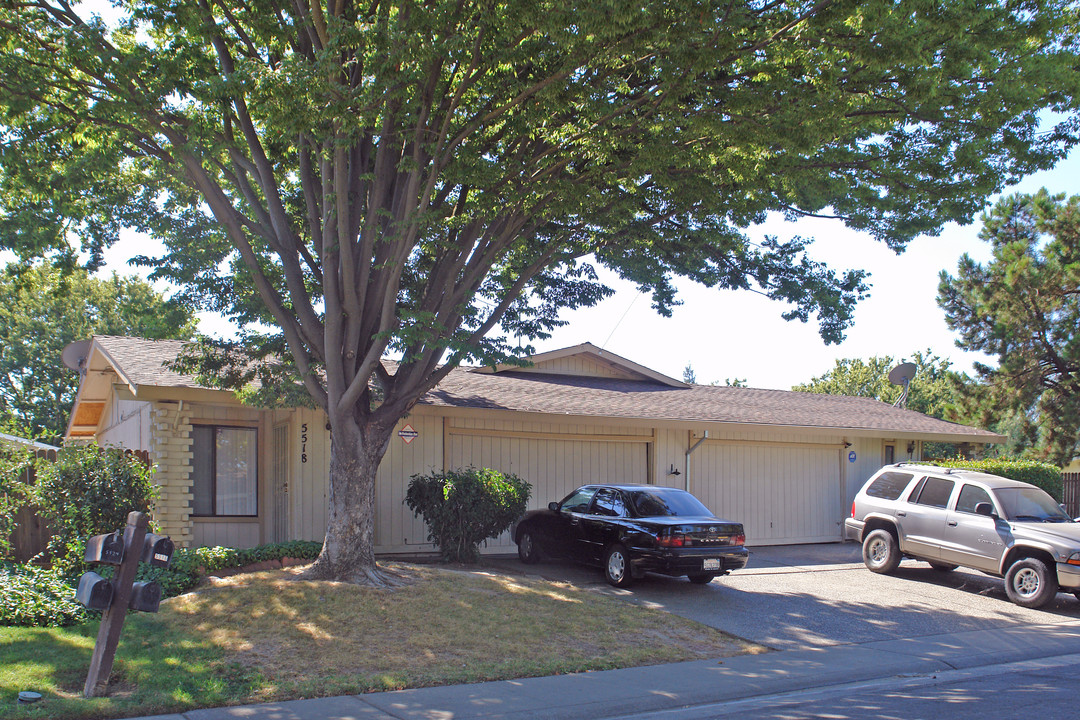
(33,597)
(14,493)
(462,508)
(1040,474)
(86,491)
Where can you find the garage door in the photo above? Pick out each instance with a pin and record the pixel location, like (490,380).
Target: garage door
(553,467)
(780,494)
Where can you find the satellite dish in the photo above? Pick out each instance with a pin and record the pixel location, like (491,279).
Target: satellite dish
(75,354)
(901,375)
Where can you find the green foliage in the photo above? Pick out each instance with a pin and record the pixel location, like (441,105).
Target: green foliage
(89,490)
(14,492)
(1040,474)
(462,508)
(931,391)
(189,566)
(45,308)
(35,597)
(1024,307)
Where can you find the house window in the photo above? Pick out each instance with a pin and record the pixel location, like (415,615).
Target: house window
(224,471)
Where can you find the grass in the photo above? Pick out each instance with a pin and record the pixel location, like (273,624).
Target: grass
(268,636)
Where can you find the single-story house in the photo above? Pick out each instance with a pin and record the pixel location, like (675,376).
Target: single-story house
(785,464)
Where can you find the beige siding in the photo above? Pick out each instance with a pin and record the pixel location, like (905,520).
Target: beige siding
(227,533)
(310,487)
(581,366)
(126,424)
(397,530)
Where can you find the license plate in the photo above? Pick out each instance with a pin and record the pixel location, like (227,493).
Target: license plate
(711,564)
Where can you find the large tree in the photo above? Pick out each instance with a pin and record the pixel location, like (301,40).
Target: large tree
(43,309)
(433,180)
(1023,306)
(932,390)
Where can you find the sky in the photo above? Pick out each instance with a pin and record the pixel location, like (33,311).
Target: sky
(738,335)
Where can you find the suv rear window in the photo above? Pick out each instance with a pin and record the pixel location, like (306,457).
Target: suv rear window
(888,486)
(934,492)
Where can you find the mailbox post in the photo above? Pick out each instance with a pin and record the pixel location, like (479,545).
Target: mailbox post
(125,550)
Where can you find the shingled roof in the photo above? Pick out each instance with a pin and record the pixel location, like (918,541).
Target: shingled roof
(612,398)
(141,363)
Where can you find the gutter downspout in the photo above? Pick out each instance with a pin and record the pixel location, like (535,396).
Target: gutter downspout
(688,454)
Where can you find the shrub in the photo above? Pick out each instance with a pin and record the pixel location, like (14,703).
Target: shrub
(36,597)
(14,491)
(462,508)
(86,491)
(33,597)
(1040,474)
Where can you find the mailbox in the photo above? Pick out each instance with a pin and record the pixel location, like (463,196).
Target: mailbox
(145,596)
(157,550)
(106,549)
(95,592)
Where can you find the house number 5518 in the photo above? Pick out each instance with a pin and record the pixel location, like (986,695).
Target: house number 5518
(303,443)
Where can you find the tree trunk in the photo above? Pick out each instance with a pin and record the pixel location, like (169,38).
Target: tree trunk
(348,553)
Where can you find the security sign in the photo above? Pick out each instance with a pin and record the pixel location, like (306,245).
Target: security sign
(408,434)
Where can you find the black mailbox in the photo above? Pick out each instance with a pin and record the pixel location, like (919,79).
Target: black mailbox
(157,550)
(145,596)
(95,592)
(107,549)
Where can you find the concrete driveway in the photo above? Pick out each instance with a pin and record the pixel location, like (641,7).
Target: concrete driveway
(806,596)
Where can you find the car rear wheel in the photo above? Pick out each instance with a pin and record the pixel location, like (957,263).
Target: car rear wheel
(943,567)
(617,567)
(1029,583)
(880,553)
(700,578)
(528,551)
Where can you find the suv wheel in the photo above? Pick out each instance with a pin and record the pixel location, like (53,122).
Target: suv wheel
(880,553)
(1029,583)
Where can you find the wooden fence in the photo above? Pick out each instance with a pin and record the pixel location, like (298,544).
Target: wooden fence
(31,534)
(1070,483)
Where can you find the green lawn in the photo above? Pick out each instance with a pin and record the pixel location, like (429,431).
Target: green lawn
(268,636)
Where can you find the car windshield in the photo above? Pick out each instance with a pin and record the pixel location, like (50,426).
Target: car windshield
(648,503)
(1030,505)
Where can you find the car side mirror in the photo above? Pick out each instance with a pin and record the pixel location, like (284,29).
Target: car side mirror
(553,506)
(985,508)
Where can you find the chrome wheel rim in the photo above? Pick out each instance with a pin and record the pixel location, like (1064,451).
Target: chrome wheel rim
(878,551)
(616,566)
(1026,582)
(526,545)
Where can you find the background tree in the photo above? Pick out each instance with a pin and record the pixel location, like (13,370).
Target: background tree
(1024,307)
(355,179)
(44,308)
(932,391)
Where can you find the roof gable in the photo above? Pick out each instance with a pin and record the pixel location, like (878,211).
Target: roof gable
(585,360)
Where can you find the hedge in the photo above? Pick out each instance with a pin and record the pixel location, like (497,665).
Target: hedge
(36,597)
(1040,474)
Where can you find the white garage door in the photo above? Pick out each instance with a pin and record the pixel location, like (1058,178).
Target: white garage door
(780,494)
(553,467)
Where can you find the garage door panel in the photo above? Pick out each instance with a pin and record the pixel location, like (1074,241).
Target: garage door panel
(780,494)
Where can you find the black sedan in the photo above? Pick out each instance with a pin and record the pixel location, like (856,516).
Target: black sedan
(629,530)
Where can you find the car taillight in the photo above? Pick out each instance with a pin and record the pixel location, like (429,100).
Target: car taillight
(852,508)
(738,539)
(671,540)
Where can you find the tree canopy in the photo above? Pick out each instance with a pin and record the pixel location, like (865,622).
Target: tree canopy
(437,180)
(44,309)
(1023,307)
(932,391)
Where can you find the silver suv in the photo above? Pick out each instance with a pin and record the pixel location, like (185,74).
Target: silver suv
(950,518)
